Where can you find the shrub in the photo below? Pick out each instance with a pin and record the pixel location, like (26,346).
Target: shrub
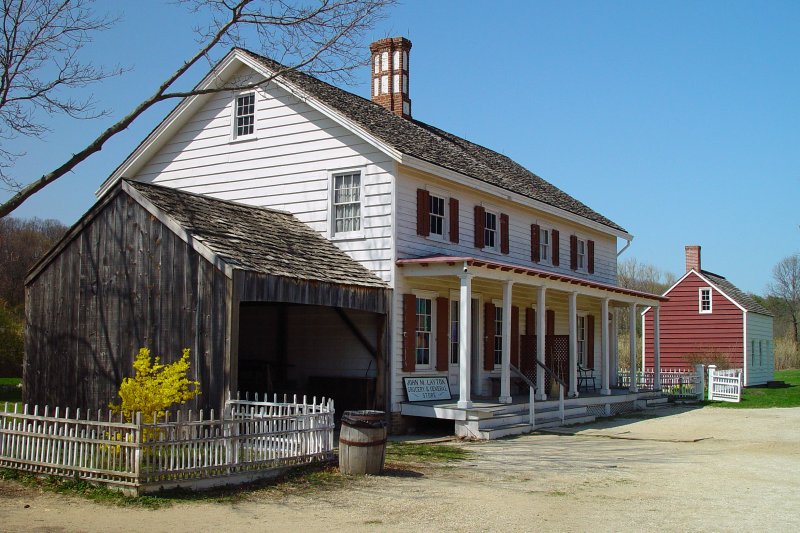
(12,329)
(156,387)
(787,353)
(710,357)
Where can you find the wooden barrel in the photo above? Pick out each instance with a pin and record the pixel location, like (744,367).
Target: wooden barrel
(362,442)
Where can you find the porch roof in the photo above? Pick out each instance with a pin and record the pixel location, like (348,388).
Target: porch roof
(527,271)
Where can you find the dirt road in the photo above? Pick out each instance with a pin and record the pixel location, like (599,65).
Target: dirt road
(688,470)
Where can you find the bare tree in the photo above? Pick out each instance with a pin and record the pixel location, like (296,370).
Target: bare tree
(39,65)
(321,37)
(785,287)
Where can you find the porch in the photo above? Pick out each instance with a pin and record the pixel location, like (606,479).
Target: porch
(498,331)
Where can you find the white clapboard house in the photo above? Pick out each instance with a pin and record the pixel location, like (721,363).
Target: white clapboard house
(491,268)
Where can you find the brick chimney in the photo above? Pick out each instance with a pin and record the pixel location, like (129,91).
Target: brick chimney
(390,74)
(693,257)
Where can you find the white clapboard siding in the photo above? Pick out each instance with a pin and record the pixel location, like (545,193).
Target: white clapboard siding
(760,367)
(409,244)
(287,166)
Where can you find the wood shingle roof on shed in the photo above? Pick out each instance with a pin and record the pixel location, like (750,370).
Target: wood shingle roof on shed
(736,294)
(257,239)
(423,141)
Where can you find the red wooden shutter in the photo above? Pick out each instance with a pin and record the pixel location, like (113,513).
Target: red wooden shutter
(423,212)
(590,256)
(515,336)
(590,341)
(535,243)
(453,220)
(442,342)
(554,239)
(573,252)
(550,318)
(480,223)
(488,340)
(530,321)
(504,233)
(409,332)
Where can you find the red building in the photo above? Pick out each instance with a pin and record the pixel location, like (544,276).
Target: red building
(708,320)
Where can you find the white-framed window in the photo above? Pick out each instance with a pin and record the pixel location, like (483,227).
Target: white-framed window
(424,331)
(705,299)
(583,358)
(544,244)
(438,216)
(244,123)
(760,353)
(346,205)
(454,348)
(498,335)
(490,234)
(581,254)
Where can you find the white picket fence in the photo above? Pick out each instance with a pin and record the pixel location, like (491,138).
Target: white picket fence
(725,385)
(250,441)
(677,383)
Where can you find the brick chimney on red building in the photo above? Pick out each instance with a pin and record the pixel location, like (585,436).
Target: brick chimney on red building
(390,74)
(693,257)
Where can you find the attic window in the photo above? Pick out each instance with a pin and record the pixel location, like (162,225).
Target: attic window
(245,120)
(705,299)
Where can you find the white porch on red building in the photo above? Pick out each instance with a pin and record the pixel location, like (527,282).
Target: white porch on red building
(552,303)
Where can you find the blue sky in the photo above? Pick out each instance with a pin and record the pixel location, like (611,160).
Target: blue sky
(680,121)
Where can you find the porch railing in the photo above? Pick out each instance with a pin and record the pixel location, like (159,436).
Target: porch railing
(532,390)
(677,383)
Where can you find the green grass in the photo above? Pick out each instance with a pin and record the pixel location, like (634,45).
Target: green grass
(406,452)
(762,397)
(10,391)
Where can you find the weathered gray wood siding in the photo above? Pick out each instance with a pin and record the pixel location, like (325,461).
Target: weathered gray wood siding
(123,281)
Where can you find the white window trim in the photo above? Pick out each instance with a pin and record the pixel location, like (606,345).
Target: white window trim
(549,259)
(578,266)
(498,304)
(432,296)
(446,222)
(700,301)
(241,138)
(345,235)
(496,212)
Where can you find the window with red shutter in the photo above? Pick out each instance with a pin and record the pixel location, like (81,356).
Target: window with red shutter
(454,220)
(409,332)
(573,252)
(423,213)
(442,305)
(480,221)
(535,243)
(590,256)
(489,317)
(504,245)
(556,251)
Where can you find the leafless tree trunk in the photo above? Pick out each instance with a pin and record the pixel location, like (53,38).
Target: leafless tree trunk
(785,287)
(321,37)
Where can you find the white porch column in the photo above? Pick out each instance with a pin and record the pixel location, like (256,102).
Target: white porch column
(604,345)
(464,341)
(573,344)
(632,331)
(505,363)
(656,348)
(541,330)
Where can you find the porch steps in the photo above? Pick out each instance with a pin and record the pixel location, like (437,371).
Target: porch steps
(513,420)
(656,402)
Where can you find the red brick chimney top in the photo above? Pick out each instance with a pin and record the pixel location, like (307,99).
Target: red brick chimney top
(693,257)
(389,67)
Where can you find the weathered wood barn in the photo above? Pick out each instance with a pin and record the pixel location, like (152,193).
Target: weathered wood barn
(262,301)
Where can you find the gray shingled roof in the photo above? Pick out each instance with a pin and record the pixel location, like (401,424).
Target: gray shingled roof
(259,239)
(733,292)
(420,140)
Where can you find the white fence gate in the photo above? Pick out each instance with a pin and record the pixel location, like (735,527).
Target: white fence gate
(724,385)
(190,450)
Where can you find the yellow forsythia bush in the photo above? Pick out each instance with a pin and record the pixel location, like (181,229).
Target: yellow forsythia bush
(156,387)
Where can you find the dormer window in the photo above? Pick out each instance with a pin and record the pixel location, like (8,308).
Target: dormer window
(705,300)
(245,115)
